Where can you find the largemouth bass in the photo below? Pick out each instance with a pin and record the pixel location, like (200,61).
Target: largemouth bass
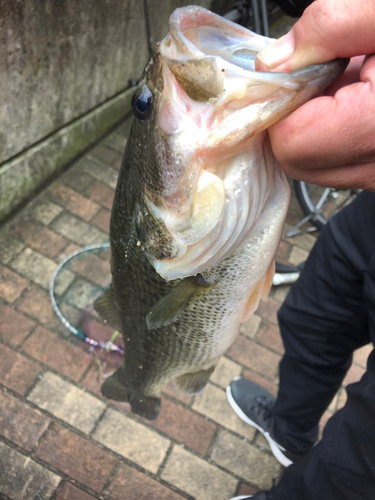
(199,206)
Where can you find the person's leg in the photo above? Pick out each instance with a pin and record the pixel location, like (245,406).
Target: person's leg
(323,320)
(342,465)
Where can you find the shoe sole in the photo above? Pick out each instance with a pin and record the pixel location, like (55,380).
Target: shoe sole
(242,498)
(282,459)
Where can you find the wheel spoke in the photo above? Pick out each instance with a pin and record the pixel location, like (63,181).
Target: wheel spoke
(322,199)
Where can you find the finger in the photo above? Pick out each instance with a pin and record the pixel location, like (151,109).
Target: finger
(359,176)
(330,131)
(327,29)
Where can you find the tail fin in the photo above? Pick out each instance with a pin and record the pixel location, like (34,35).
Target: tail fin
(115,388)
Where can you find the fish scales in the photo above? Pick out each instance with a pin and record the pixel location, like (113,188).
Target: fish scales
(199,206)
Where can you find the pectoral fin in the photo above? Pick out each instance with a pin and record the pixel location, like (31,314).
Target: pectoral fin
(170,307)
(260,291)
(106,308)
(192,383)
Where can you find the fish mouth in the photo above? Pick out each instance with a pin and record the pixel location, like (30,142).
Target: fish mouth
(213,107)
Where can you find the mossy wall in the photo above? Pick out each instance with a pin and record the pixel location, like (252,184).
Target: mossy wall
(64,73)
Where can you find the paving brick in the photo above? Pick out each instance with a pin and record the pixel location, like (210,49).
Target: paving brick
(74,202)
(77,230)
(38,237)
(132,440)
(20,423)
(79,181)
(9,247)
(304,241)
(294,217)
(269,335)
(82,294)
(105,154)
(361,355)
(342,398)
(23,479)
(70,492)
(67,402)
(254,356)
(254,377)
(102,220)
(16,371)
(63,280)
(246,490)
(107,175)
(94,378)
(101,193)
(72,315)
(71,248)
(245,460)
(213,403)
(323,421)
(294,204)
(261,442)
(11,284)
(283,252)
(138,486)
(281,292)
(34,266)
(250,328)
(298,255)
(354,375)
(333,405)
(45,211)
(268,310)
(185,426)
(14,327)
(196,477)
(174,393)
(36,303)
(116,141)
(77,457)
(64,357)
(225,371)
(93,268)
(105,254)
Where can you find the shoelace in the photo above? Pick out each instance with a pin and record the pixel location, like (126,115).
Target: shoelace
(264,405)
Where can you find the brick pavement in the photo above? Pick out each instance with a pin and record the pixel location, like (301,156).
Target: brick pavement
(59,438)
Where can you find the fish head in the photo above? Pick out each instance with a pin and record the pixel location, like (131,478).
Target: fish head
(199,105)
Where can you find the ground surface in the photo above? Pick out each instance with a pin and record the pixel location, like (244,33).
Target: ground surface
(59,438)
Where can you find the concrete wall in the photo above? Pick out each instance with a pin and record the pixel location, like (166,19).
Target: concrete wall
(64,72)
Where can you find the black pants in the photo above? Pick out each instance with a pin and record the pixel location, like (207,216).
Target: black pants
(328,314)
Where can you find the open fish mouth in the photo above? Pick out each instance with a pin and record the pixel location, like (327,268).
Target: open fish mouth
(218,173)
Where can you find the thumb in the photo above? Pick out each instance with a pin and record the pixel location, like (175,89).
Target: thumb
(327,29)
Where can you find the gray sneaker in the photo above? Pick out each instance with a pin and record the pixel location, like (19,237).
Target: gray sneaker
(253,404)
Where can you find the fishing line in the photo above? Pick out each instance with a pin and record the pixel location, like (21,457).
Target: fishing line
(108,346)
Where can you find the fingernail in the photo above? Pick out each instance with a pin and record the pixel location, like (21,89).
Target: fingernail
(278,51)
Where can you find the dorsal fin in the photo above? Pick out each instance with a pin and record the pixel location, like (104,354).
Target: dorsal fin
(105,306)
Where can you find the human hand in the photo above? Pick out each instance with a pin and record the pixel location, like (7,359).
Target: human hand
(330,140)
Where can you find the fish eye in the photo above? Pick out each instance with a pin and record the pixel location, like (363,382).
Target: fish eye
(142,103)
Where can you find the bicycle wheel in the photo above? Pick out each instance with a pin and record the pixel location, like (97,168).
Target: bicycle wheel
(322,202)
